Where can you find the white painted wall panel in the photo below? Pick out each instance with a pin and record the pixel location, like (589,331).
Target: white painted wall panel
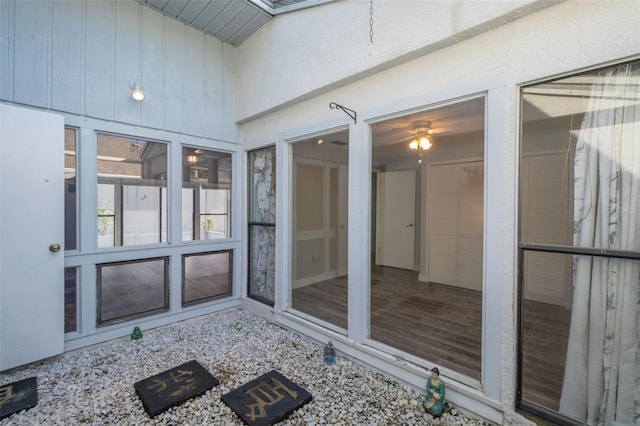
(6,50)
(67,90)
(213,93)
(229,85)
(79,56)
(127,60)
(32,53)
(99,51)
(195,96)
(152,69)
(175,69)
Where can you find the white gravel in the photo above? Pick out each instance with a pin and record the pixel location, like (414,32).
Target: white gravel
(95,386)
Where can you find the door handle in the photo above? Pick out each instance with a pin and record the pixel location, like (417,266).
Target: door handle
(409,225)
(54,248)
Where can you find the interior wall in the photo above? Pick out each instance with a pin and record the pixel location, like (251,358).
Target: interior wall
(80,57)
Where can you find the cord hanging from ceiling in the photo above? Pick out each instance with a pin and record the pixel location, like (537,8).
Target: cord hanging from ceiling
(370,47)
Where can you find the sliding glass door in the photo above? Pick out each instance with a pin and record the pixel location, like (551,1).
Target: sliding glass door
(579,245)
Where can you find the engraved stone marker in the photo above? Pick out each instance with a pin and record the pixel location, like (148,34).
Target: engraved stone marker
(266,400)
(18,396)
(173,387)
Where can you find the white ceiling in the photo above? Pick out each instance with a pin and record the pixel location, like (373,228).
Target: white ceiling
(231,21)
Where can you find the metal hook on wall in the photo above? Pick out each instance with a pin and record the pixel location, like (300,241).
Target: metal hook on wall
(351,113)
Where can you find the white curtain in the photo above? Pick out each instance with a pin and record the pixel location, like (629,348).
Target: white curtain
(602,374)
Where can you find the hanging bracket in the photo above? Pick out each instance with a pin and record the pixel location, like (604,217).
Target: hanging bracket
(351,113)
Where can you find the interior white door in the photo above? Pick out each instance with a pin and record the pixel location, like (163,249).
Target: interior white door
(395,234)
(31,225)
(455,218)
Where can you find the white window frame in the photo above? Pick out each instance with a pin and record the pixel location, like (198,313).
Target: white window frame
(499,247)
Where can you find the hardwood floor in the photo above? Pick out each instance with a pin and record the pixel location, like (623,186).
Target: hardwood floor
(443,324)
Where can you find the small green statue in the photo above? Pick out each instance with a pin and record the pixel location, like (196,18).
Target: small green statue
(434,401)
(137,333)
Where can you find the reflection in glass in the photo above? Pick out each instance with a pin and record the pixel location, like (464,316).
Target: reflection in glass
(426,276)
(262,222)
(206,276)
(132,289)
(70,299)
(206,194)
(319,263)
(70,191)
(580,194)
(545,330)
(131,191)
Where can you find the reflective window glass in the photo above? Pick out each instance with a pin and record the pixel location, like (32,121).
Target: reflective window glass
(262,222)
(70,190)
(206,276)
(579,245)
(131,191)
(427,235)
(319,228)
(128,290)
(206,194)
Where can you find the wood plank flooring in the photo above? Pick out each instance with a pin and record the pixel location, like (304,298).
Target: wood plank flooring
(443,324)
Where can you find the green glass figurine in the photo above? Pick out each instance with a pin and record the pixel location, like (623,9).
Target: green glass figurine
(434,401)
(137,333)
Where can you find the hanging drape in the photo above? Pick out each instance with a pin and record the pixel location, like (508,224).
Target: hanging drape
(263,210)
(601,382)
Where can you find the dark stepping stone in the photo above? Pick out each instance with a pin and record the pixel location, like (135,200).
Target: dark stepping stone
(173,387)
(18,396)
(266,400)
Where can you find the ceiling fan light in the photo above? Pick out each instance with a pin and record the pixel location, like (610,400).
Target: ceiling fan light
(425,143)
(413,144)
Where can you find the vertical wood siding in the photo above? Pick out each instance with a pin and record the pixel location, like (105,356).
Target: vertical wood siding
(80,57)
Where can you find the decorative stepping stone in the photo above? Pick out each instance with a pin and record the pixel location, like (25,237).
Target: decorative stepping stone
(18,396)
(266,400)
(173,387)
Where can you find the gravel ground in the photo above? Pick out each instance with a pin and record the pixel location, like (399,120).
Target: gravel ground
(95,386)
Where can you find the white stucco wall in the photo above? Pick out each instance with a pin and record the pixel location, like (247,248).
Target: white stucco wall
(295,55)
(295,87)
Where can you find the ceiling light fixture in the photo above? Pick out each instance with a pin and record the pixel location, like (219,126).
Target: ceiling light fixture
(136,90)
(192,159)
(423,139)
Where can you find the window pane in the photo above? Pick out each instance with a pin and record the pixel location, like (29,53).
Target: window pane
(262,231)
(262,269)
(580,189)
(141,207)
(262,185)
(579,150)
(545,330)
(106,215)
(129,290)
(206,201)
(206,276)
(70,300)
(70,197)
(320,185)
(131,191)
(426,277)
